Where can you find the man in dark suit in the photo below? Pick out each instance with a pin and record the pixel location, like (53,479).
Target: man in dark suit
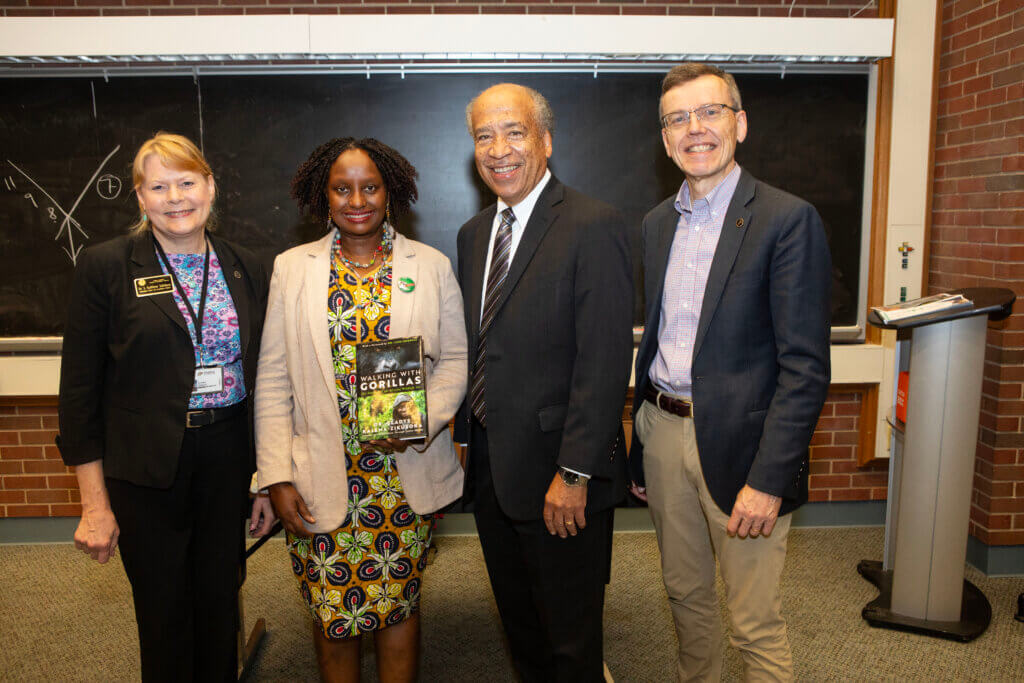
(546,278)
(731,375)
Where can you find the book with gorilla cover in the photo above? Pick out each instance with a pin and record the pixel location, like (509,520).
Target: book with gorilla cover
(391,390)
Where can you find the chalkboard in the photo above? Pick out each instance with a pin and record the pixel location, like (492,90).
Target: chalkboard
(66,146)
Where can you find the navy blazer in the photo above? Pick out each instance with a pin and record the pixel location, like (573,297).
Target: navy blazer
(128,365)
(558,350)
(761,365)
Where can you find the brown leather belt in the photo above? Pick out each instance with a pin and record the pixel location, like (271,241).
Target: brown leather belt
(668,403)
(202,418)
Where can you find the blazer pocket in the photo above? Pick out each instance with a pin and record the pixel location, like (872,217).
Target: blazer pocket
(640,422)
(552,418)
(302,477)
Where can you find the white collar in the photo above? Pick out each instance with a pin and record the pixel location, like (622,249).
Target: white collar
(524,209)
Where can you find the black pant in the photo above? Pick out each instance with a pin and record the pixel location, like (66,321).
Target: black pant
(549,590)
(182,549)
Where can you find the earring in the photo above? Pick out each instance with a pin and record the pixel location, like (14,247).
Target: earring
(387,214)
(144,216)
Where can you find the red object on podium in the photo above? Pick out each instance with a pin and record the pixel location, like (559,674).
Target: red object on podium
(902,385)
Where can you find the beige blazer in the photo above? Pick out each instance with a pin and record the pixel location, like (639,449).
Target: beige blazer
(298,426)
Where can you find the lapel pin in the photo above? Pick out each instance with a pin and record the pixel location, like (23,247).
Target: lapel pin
(739,222)
(238,276)
(406,284)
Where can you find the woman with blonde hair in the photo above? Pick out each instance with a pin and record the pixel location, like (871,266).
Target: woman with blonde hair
(157,371)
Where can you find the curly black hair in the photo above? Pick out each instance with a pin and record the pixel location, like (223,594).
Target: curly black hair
(309,186)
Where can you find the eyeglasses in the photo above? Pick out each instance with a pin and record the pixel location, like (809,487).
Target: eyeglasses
(709,113)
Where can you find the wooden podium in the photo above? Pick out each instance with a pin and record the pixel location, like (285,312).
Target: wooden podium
(247,647)
(931,482)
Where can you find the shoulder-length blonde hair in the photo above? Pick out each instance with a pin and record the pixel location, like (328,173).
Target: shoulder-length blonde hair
(177,152)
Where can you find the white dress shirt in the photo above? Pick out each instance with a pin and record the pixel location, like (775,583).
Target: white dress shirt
(523,210)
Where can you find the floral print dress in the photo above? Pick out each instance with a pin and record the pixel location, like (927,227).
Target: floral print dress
(367,573)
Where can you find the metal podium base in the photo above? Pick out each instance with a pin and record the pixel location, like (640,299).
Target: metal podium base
(975,612)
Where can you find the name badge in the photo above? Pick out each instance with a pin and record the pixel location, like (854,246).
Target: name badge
(154,284)
(209,380)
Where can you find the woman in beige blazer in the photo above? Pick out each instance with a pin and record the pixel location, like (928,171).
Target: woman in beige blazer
(355,512)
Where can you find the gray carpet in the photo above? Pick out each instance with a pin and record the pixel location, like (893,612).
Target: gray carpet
(64,618)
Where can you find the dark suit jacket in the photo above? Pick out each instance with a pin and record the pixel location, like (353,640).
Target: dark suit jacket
(127,363)
(761,356)
(558,349)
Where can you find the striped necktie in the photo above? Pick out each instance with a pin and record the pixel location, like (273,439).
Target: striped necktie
(495,279)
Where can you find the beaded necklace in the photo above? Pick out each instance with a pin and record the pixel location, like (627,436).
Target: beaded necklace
(384,248)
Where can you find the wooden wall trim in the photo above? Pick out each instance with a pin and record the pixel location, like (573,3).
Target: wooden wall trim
(33,401)
(880,184)
(868,424)
(930,196)
(867,418)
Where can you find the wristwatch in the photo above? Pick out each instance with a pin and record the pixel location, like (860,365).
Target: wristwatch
(572,478)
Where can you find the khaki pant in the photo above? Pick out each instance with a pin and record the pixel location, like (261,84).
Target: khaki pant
(691,533)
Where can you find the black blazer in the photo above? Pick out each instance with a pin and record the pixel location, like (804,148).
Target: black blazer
(558,350)
(127,363)
(761,356)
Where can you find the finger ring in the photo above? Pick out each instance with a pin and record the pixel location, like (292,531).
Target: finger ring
(570,523)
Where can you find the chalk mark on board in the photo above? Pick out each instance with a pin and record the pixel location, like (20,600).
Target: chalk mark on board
(108,186)
(69,220)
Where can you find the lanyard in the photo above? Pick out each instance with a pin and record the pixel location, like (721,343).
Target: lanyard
(197,320)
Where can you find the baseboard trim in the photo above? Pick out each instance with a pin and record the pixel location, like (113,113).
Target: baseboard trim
(62,529)
(990,560)
(22,530)
(841,513)
(995,560)
(838,514)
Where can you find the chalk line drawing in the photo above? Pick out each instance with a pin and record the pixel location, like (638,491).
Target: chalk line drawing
(69,221)
(9,183)
(108,186)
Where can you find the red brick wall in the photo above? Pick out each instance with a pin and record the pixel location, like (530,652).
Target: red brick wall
(835,475)
(33,480)
(772,8)
(977,236)
(35,483)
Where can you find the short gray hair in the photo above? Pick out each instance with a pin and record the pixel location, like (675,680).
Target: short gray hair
(542,112)
(684,73)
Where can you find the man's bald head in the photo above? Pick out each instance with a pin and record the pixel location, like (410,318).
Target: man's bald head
(542,113)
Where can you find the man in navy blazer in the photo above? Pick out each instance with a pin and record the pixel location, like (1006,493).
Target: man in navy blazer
(546,278)
(731,376)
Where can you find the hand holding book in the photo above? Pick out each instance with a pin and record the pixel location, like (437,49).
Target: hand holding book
(385,445)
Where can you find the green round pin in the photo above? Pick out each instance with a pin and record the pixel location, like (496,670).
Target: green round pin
(406,284)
